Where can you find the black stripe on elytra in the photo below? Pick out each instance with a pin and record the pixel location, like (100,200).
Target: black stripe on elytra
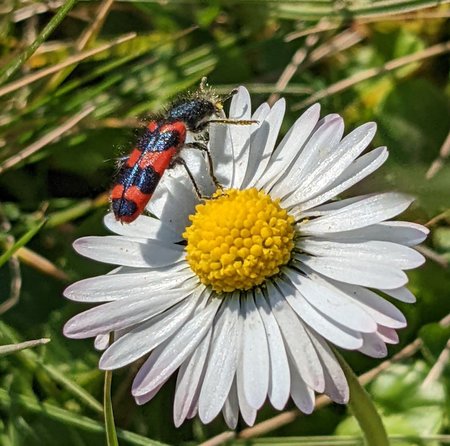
(123,207)
(145,180)
(158,141)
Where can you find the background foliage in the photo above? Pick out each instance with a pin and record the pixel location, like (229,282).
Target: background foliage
(70,104)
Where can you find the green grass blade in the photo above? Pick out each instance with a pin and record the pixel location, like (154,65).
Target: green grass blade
(8,400)
(16,63)
(31,361)
(21,242)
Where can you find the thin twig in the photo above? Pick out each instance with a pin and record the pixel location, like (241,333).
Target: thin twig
(437,164)
(15,285)
(323,25)
(14,268)
(40,263)
(32,10)
(95,26)
(438,367)
(46,139)
(26,80)
(442,216)
(81,43)
(341,42)
(304,58)
(332,25)
(12,348)
(288,73)
(433,255)
(432,51)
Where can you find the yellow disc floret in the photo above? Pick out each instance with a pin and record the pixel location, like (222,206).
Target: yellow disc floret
(238,238)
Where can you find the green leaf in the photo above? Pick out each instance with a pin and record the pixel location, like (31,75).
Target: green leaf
(408,408)
(414,129)
(435,338)
(50,411)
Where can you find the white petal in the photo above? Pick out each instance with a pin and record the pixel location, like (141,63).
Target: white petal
(221,153)
(330,162)
(280,379)
(122,286)
(122,313)
(333,331)
(330,301)
(143,227)
(388,335)
(380,310)
(406,233)
(336,386)
(373,346)
(289,148)
(401,232)
(260,114)
(358,170)
(302,395)
(262,143)
(189,380)
(145,398)
(199,168)
(174,200)
(402,294)
(222,361)
(148,335)
(118,250)
(314,156)
(240,135)
(248,412)
(255,355)
(231,408)
(371,274)
(227,142)
(366,212)
(167,357)
(101,342)
(369,251)
(298,345)
(329,208)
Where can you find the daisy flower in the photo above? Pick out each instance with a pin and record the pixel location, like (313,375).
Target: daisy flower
(242,293)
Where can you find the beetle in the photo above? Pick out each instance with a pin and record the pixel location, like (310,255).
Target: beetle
(158,148)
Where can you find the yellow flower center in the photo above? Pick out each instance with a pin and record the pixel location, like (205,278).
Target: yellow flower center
(238,238)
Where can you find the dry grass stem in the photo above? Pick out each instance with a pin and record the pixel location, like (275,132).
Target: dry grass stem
(40,263)
(433,255)
(437,164)
(438,367)
(46,139)
(432,51)
(26,80)
(287,74)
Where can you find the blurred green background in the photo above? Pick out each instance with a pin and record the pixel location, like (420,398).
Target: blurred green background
(72,107)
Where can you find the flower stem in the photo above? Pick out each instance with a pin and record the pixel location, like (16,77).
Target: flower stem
(111,436)
(363,408)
